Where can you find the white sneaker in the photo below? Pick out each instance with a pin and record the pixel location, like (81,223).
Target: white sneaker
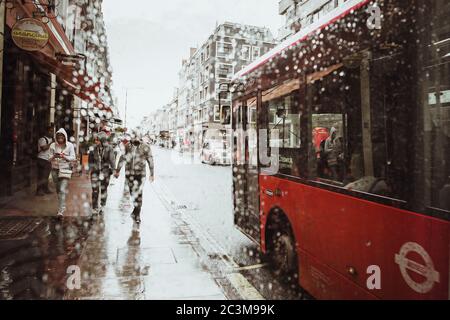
(60,214)
(95,211)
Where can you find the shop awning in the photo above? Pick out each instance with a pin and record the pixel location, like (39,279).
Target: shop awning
(69,77)
(75,82)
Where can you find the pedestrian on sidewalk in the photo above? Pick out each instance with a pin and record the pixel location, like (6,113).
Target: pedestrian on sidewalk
(125,140)
(137,154)
(101,167)
(43,164)
(62,156)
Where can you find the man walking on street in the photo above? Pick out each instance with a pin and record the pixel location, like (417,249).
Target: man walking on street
(43,164)
(137,154)
(101,165)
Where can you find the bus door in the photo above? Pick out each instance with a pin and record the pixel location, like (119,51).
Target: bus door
(245,168)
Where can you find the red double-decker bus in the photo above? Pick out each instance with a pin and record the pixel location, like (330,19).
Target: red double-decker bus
(341,152)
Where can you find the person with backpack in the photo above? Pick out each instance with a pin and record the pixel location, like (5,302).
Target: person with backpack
(44,167)
(102,162)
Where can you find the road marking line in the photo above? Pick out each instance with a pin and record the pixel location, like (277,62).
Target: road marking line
(245,289)
(256,266)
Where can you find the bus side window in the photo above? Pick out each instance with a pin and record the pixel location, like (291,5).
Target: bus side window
(433,159)
(343,150)
(329,138)
(284,132)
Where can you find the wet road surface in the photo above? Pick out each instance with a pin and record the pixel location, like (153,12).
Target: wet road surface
(203,195)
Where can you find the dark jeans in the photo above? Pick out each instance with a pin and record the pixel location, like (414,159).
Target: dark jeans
(100,186)
(136,185)
(44,168)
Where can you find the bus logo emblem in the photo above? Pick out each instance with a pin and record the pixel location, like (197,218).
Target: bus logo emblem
(427,270)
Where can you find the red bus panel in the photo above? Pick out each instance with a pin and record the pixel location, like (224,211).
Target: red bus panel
(338,244)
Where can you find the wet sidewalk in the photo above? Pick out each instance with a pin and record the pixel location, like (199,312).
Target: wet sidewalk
(36,248)
(27,204)
(153,261)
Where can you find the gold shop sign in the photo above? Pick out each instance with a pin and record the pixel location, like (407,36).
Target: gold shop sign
(30,34)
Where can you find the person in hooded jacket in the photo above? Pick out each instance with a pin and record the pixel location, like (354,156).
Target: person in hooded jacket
(137,155)
(62,155)
(43,165)
(334,153)
(101,165)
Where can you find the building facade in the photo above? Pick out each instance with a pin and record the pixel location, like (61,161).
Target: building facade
(57,84)
(301,13)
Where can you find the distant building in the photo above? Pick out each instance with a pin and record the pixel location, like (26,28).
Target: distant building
(195,107)
(228,50)
(301,13)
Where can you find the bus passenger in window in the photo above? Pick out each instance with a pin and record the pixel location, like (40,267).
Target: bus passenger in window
(444,196)
(335,154)
(320,135)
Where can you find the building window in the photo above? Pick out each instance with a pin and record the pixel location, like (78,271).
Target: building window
(207,52)
(246,52)
(252,115)
(223,112)
(256,53)
(207,76)
(224,49)
(225,71)
(206,93)
(224,96)
(216,114)
(317,15)
(205,115)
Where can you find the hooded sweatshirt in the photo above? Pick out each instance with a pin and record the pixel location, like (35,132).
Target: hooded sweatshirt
(333,147)
(102,156)
(68,149)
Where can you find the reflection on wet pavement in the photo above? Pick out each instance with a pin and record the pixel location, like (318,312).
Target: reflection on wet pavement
(123,260)
(34,266)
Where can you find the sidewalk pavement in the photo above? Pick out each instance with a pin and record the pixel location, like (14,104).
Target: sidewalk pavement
(153,261)
(27,204)
(117,258)
(35,247)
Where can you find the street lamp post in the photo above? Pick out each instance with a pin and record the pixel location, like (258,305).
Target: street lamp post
(126,100)
(126,107)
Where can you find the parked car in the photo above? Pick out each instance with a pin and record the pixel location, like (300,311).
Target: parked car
(216,152)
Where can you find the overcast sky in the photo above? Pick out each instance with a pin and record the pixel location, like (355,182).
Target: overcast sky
(148,39)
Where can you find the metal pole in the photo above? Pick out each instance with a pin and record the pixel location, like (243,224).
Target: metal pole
(53,85)
(2,47)
(126,106)
(366,115)
(126,100)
